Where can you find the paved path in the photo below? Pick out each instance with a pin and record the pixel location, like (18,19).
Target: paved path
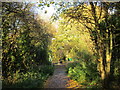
(59,79)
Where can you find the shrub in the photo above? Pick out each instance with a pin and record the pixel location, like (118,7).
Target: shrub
(31,79)
(47,69)
(84,73)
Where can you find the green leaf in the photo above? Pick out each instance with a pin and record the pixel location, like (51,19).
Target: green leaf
(52,2)
(12,58)
(48,5)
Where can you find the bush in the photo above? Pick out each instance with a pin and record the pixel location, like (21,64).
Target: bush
(47,69)
(31,79)
(71,65)
(84,73)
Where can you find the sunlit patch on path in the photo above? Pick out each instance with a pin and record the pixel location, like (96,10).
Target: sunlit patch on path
(72,84)
(60,79)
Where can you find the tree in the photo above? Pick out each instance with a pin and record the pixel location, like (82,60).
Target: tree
(24,40)
(71,40)
(95,17)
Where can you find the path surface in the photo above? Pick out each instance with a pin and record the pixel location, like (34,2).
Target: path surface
(60,79)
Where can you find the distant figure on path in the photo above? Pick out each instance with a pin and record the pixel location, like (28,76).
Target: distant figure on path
(69,59)
(60,61)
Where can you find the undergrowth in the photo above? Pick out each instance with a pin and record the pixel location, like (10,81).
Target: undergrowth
(84,73)
(33,78)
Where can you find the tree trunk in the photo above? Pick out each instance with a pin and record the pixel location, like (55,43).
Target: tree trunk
(108,54)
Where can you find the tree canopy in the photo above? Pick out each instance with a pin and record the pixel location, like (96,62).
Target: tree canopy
(87,33)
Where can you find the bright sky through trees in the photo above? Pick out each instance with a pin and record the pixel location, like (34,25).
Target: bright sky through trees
(45,12)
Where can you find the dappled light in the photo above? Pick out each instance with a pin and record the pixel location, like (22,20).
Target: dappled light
(61,45)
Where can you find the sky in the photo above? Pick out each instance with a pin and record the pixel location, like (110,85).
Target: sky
(49,11)
(46,16)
